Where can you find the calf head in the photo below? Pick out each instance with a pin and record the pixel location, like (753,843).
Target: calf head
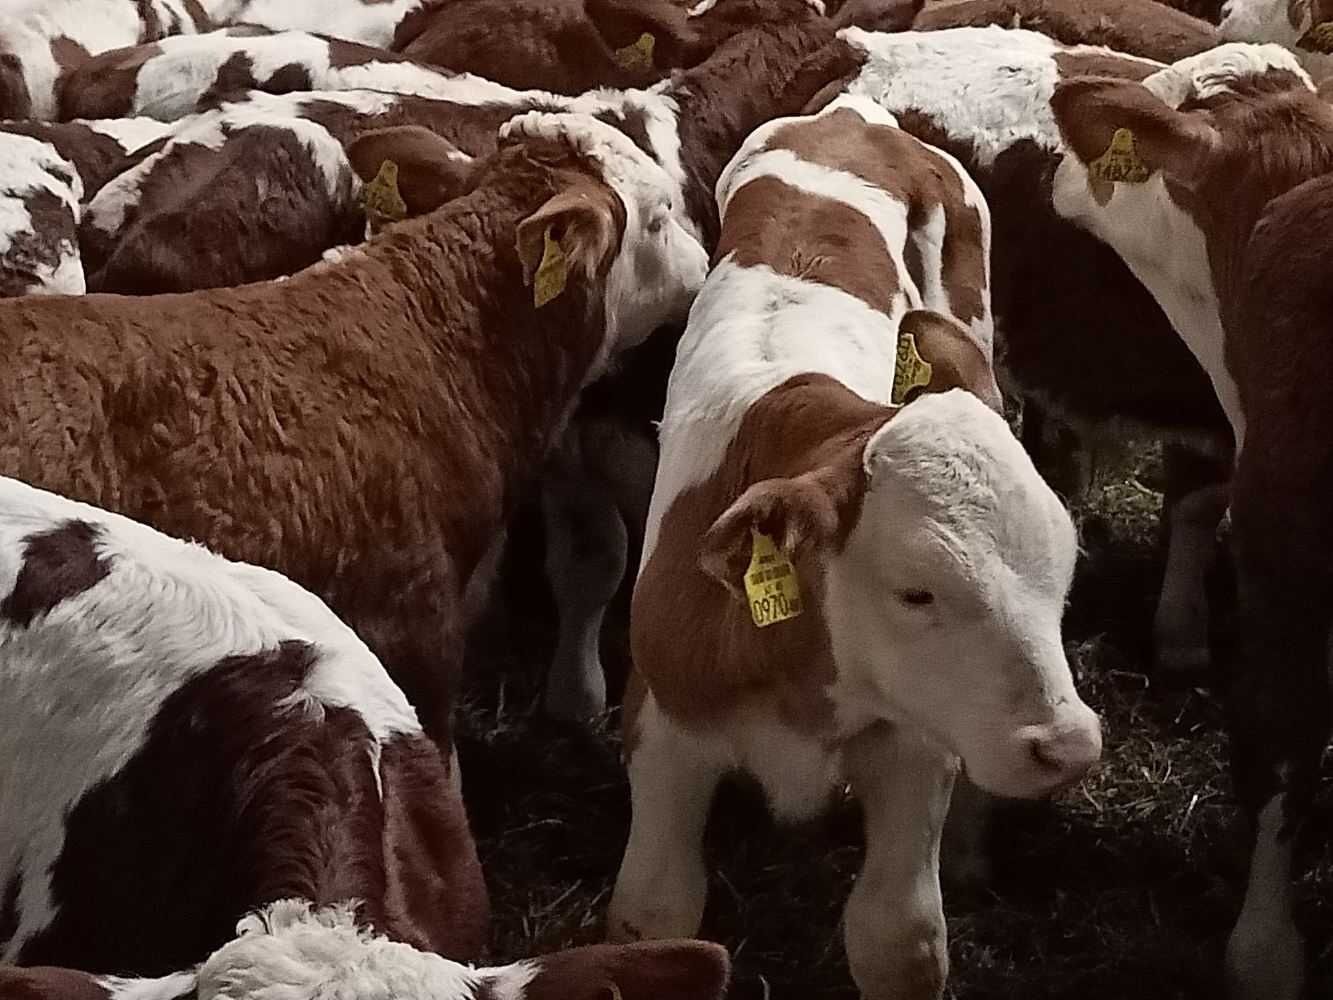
(614,221)
(945,563)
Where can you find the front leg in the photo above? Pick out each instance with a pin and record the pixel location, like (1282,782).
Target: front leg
(894,923)
(663,882)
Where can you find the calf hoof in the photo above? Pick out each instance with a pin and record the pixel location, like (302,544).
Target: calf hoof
(575,696)
(916,969)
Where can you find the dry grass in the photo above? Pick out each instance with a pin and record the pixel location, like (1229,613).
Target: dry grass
(1125,888)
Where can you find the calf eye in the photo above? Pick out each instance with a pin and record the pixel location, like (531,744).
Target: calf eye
(916,598)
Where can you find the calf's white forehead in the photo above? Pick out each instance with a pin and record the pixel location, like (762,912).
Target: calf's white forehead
(964,470)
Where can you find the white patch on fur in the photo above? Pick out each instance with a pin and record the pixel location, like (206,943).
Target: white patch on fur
(1265,953)
(988,86)
(955,508)
(131,133)
(291,951)
(1211,73)
(1267,21)
(27,166)
(354,20)
(660,266)
(177,985)
(166,612)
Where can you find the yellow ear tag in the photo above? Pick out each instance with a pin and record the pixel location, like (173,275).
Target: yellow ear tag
(380,196)
(552,273)
(910,369)
(1318,39)
(771,586)
(637,56)
(1121,161)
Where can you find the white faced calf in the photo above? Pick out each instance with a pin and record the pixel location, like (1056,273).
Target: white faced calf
(1303,26)
(901,570)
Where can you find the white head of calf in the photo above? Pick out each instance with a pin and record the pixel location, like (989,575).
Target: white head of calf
(1303,26)
(659,267)
(945,603)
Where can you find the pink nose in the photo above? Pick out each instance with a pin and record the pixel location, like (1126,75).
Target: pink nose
(1064,752)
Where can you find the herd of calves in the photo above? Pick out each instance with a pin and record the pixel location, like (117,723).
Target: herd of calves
(301,297)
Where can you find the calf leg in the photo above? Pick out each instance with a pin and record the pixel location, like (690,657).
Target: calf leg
(663,882)
(1279,708)
(894,922)
(585,562)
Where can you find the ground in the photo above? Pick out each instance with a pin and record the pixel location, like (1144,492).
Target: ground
(1127,886)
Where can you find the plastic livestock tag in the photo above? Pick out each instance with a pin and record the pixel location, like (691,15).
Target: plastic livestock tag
(552,273)
(1121,161)
(637,56)
(909,370)
(771,586)
(380,196)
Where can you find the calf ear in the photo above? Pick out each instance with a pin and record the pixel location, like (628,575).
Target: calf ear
(656,970)
(582,222)
(1108,119)
(956,360)
(431,170)
(799,514)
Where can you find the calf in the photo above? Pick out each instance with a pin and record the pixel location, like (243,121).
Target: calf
(1303,26)
(907,567)
(176,720)
(1212,203)
(252,191)
(178,76)
(371,23)
(40,193)
(42,43)
(364,426)
(309,954)
(1137,27)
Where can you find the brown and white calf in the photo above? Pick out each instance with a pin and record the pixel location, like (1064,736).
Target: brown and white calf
(255,190)
(308,953)
(931,560)
(1136,27)
(42,43)
(365,426)
(99,150)
(176,720)
(178,76)
(1210,196)
(370,22)
(40,195)
(1303,26)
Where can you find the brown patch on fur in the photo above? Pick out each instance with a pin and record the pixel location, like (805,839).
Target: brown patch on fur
(1138,27)
(1075,64)
(901,166)
(15,101)
(655,970)
(343,54)
(811,237)
(364,429)
(234,76)
(878,15)
(202,22)
(268,213)
(45,983)
(103,86)
(247,803)
(57,565)
(801,443)
(97,157)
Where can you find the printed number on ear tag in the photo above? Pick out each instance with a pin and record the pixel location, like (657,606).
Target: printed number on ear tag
(637,56)
(1121,161)
(380,197)
(910,369)
(552,273)
(771,587)
(1318,39)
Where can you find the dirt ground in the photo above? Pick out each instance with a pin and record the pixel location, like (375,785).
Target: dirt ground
(1126,887)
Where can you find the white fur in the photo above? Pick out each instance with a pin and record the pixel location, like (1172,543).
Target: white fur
(660,266)
(354,20)
(1268,21)
(988,86)
(131,133)
(166,612)
(1210,73)
(28,165)
(177,985)
(1265,953)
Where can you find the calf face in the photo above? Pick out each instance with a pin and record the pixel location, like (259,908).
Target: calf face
(1303,26)
(39,215)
